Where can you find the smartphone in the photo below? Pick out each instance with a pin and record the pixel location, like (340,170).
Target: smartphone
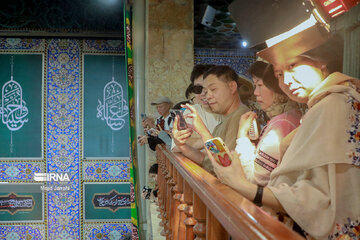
(254,130)
(182,123)
(151,131)
(143,116)
(219,151)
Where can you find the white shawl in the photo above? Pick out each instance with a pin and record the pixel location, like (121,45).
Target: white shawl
(318,179)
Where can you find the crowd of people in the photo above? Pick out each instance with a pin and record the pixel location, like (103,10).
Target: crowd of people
(303,168)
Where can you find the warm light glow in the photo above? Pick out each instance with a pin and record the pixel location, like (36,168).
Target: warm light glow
(246,150)
(303,78)
(342,11)
(318,16)
(272,139)
(301,27)
(335,8)
(327,3)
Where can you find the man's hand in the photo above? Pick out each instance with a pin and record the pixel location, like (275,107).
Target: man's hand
(154,132)
(180,136)
(143,140)
(148,123)
(143,195)
(245,124)
(198,125)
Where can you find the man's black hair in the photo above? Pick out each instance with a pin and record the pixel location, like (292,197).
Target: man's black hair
(178,105)
(188,91)
(199,70)
(225,73)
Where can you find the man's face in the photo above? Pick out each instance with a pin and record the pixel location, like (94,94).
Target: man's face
(163,109)
(201,97)
(218,94)
(153,176)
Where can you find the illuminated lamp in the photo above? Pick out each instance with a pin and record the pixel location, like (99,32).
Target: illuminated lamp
(334,8)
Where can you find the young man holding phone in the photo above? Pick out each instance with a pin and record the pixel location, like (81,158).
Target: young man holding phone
(221,84)
(210,119)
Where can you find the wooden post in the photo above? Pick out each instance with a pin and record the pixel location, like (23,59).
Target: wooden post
(169,209)
(200,216)
(164,198)
(189,221)
(176,202)
(160,186)
(214,229)
(181,208)
(165,215)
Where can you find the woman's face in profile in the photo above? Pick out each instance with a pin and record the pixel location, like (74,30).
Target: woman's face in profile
(264,96)
(298,77)
(285,88)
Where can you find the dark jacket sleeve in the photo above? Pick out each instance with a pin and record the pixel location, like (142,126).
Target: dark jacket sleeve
(153,141)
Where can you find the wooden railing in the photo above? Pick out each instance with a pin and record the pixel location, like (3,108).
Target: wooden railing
(193,202)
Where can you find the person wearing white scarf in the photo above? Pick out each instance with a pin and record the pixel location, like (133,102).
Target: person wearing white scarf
(317,180)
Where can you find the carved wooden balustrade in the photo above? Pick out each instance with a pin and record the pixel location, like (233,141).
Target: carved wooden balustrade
(196,205)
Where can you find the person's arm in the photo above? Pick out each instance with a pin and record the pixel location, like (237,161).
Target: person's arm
(198,125)
(142,140)
(249,190)
(244,147)
(234,177)
(148,123)
(180,137)
(193,154)
(153,141)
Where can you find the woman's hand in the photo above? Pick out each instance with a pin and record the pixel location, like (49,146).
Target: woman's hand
(245,124)
(180,136)
(232,174)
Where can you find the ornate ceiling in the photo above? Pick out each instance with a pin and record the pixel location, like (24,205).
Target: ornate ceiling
(81,17)
(62,16)
(223,32)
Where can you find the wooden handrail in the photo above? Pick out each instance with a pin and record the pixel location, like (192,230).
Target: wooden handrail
(240,217)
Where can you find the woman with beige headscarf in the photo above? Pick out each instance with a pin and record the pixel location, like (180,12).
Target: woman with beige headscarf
(317,182)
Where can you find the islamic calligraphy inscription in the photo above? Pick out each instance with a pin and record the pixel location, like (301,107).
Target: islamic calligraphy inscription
(12,107)
(114,107)
(112,201)
(13,203)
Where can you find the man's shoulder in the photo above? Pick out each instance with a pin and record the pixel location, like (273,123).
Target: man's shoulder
(243,109)
(240,111)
